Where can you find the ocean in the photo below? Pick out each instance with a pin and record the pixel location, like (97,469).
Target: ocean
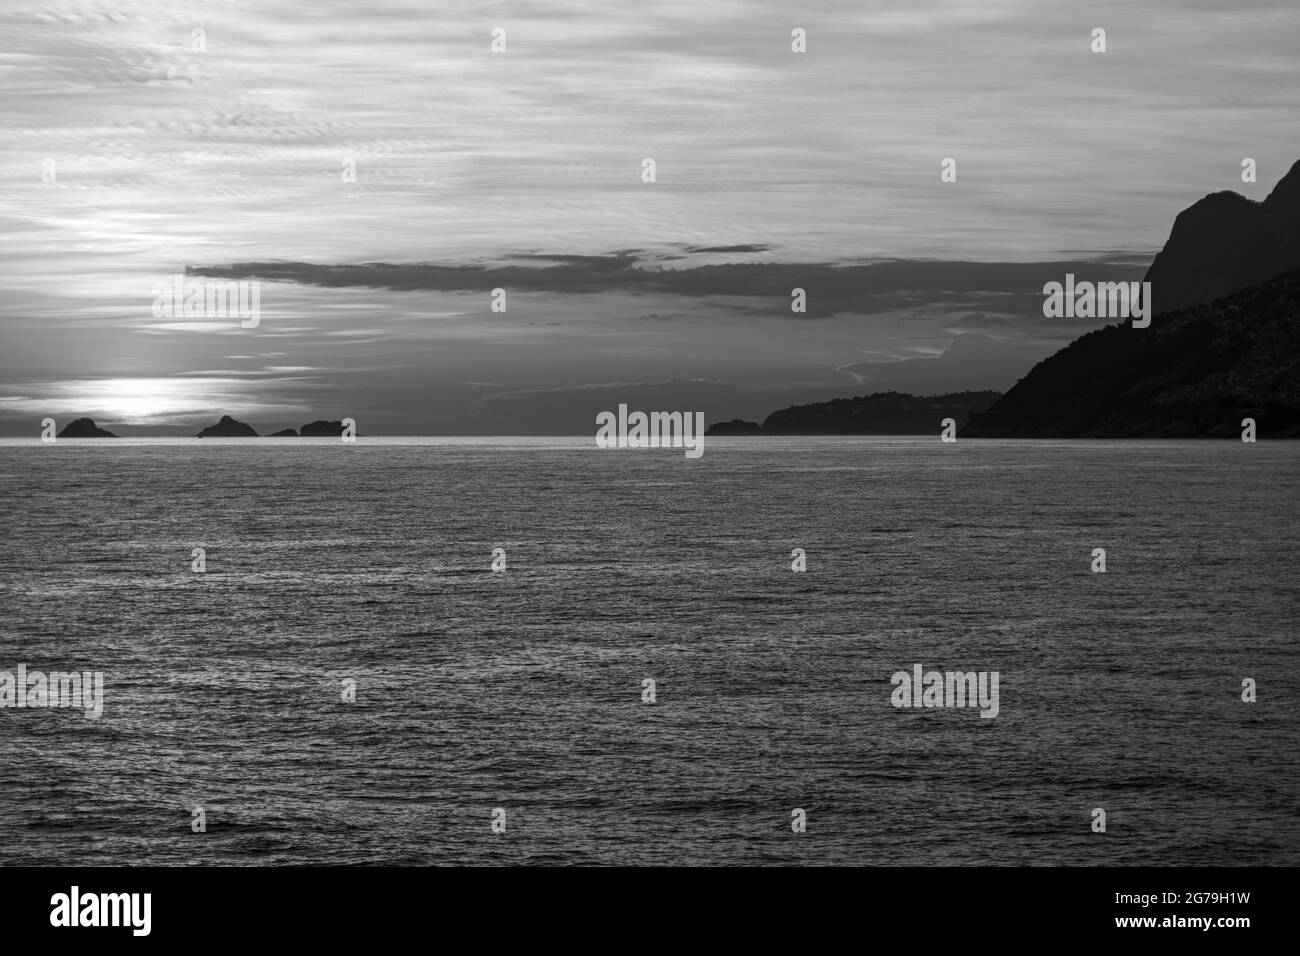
(518,697)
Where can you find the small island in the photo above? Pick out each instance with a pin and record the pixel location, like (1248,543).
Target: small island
(322,429)
(737,426)
(84,428)
(227,428)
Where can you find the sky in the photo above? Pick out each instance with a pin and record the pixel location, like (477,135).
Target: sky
(135,149)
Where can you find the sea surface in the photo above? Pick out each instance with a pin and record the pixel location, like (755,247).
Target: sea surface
(523,690)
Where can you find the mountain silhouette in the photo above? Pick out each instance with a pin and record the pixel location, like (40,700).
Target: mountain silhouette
(230,428)
(881,413)
(1226,242)
(321,429)
(1196,372)
(83,428)
(737,426)
(227,428)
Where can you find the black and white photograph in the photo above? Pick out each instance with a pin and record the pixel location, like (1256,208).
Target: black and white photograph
(576,447)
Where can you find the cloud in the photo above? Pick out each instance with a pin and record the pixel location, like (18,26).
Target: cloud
(971,361)
(831,288)
(745,247)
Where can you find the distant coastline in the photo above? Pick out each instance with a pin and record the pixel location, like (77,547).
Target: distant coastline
(881,413)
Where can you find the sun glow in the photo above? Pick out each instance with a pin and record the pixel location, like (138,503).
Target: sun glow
(142,400)
(178,400)
(148,401)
